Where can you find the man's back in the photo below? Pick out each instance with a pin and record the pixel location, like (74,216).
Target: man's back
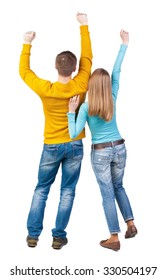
(55,96)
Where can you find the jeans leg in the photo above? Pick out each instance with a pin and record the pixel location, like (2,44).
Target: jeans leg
(117,168)
(71,166)
(48,168)
(101,165)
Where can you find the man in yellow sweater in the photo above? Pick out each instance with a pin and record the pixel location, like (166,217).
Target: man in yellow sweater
(58,149)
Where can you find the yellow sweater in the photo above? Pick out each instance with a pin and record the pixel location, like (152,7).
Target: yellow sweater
(55,96)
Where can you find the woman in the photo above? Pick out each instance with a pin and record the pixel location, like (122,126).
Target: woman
(108,153)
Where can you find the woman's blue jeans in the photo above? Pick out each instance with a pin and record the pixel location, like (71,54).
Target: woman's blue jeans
(108,165)
(69,156)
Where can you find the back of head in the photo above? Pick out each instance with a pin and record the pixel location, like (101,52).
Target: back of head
(99,95)
(66,63)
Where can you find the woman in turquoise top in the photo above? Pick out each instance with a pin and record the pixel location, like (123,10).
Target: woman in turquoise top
(108,153)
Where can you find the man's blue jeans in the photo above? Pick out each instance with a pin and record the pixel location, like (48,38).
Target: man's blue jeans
(69,156)
(108,165)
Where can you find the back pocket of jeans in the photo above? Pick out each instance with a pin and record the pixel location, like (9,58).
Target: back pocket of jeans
(77,150)
(121,160)
(99,163)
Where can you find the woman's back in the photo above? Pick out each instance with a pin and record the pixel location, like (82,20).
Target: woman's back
(102,131)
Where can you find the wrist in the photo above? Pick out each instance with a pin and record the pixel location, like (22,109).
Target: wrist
(83,23)
(26,43)
(125,43)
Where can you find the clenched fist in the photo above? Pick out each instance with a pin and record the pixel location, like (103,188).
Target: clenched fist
(124,36)
(29,37)
(82,18)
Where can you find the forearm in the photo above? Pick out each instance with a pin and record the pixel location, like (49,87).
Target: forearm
(85,62)
(24,64)
(75,126)
(86,48)
(120,57)
(115,77)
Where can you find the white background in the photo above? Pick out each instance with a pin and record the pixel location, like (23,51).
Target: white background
(141,118)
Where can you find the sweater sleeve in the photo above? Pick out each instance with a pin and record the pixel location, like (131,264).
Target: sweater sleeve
(38,85)
(85,62)
(117,70)
(76,125)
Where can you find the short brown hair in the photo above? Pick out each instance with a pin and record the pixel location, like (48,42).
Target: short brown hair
(100,95)
(66,63)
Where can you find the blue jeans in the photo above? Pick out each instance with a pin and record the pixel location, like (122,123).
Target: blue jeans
(69,156)
(108,165)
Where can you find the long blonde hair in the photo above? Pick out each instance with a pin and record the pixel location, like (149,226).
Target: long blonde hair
(100,95)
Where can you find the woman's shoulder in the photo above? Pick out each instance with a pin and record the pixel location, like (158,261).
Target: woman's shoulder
(85,106)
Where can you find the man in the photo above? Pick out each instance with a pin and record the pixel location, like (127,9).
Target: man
(58,148)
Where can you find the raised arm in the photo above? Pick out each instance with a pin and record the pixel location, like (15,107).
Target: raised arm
(75,126)
(85,62)
(29,77)
(117,65)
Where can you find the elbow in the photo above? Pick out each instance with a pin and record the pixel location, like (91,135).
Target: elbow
(21,73)
(73,136)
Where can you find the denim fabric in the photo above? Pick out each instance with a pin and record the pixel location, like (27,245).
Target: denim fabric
(69,156)
(108,165)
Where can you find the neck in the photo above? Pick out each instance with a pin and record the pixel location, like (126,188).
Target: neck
(64,80)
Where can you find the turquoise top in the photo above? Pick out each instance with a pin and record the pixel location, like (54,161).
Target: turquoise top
(101,131)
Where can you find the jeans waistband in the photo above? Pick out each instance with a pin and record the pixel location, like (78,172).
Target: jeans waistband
(107,144)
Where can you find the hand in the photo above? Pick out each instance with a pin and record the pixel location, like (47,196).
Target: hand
(124,36)
(29,37)
(82,18)
(73,103)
